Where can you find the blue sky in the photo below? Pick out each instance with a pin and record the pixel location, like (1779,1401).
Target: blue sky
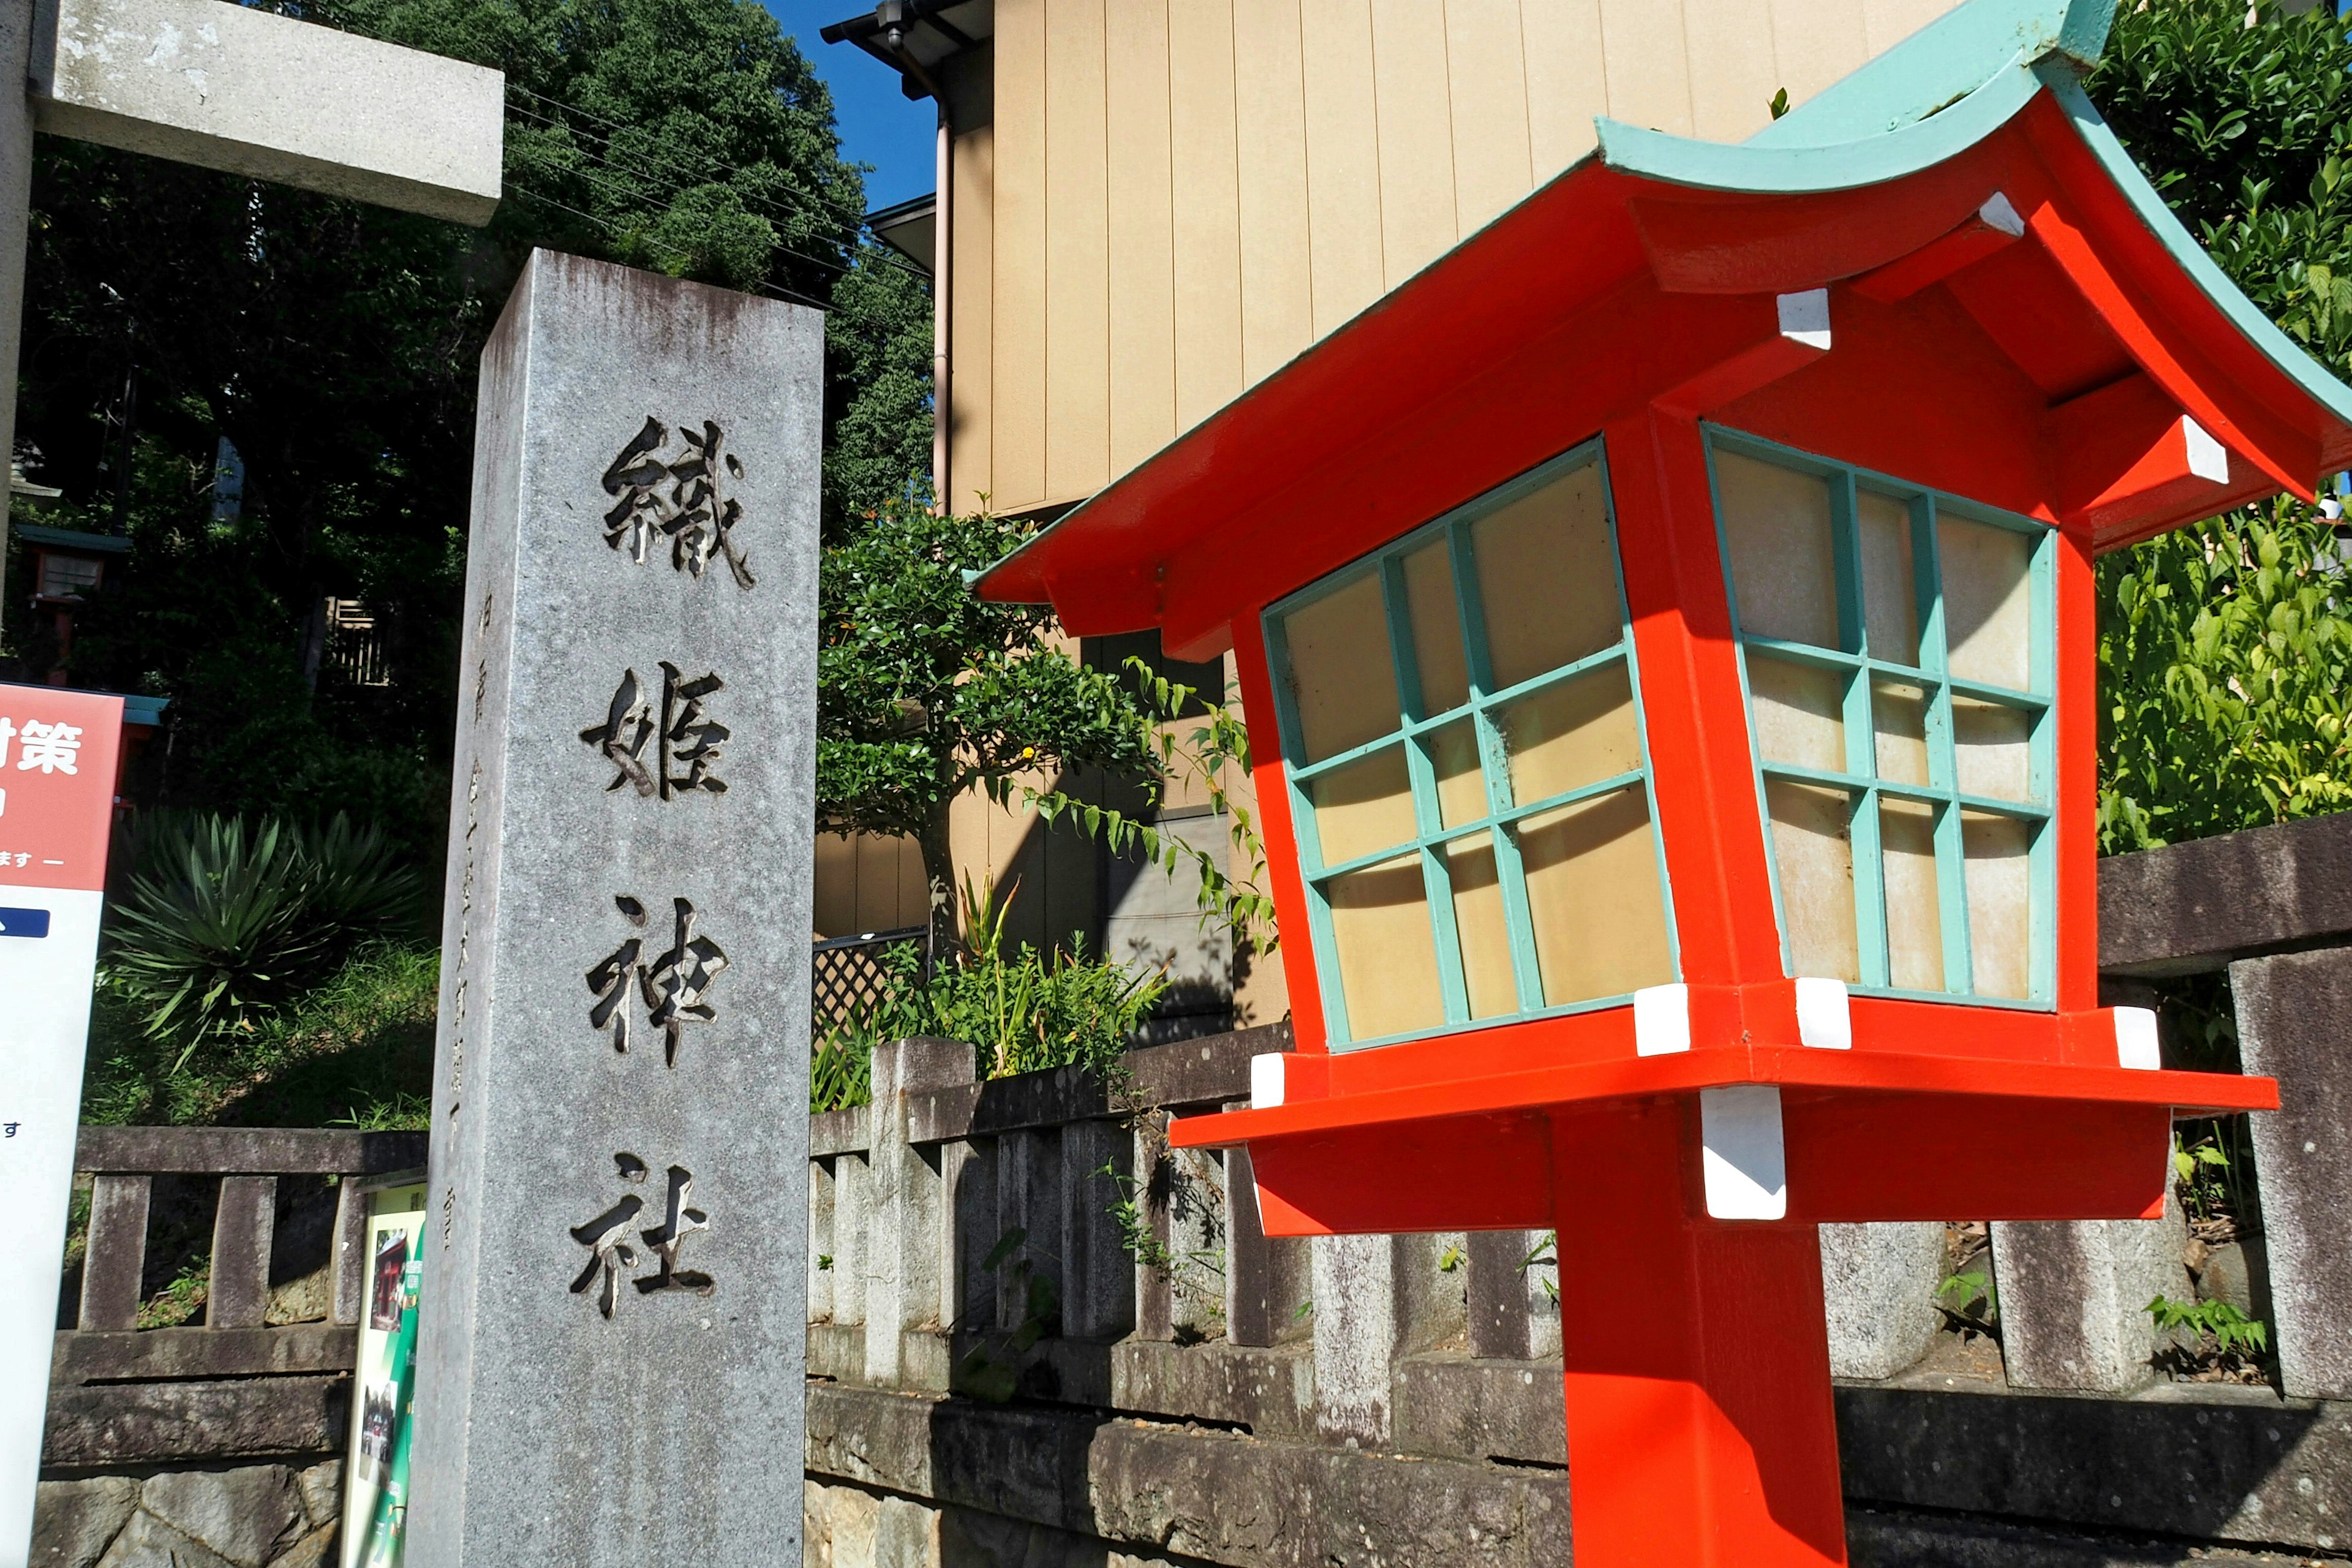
(878,125)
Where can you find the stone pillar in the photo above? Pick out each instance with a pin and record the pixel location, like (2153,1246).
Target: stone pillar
(1098,1280)
(1377,1298)
(611,1339)
(2074,1294)
(902,1253)
(15,207)
(2294,1024)
(1878,1284)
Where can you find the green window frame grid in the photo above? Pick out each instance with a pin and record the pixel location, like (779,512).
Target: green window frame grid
(1418,730)
(1860,779)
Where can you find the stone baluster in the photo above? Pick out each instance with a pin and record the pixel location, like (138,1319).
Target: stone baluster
(1513,1314)
(1028,1200)
(1267,1279)
(2074,1294)
(2292,1012)
(1098,1296)
(849,1229)
(967,1189)
(904,1213)
(1377,1298)
(1878,1285)
(821,1242)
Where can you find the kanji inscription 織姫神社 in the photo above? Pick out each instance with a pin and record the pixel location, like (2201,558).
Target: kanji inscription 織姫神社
(629,862)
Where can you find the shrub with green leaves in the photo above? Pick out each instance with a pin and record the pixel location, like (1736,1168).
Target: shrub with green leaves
(2225,674)
(224,922)
(1021,1010)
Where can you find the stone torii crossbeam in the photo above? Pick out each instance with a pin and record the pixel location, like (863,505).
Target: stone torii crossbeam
(227,87)
(248,92)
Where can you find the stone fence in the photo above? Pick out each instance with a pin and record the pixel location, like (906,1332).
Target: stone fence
(1036,1337)
(173,1446)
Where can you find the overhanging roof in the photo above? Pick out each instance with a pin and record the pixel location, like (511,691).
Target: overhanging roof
(1890,164)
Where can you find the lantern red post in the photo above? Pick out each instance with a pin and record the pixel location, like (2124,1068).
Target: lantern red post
(1932,322)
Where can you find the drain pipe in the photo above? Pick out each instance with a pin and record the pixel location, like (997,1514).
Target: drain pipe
(942,256)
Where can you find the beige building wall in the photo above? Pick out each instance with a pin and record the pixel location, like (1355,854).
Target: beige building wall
(1159,201)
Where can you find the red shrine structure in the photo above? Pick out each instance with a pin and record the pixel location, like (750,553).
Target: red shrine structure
(1667,626)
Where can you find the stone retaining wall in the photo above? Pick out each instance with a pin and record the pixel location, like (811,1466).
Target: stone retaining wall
(258,1516)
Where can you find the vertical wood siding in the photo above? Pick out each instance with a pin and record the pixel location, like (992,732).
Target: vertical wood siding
(1171,198)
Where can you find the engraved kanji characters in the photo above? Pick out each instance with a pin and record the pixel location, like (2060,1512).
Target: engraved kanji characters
(672,985)
(681,737)
(682,501)
(609,1252)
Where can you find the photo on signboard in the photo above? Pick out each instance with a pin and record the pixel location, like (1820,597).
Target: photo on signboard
(390,1257)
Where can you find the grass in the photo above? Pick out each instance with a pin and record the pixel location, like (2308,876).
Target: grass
(356,1051)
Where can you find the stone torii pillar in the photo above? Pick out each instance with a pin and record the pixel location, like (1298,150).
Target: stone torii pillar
(249,92)
(225,87)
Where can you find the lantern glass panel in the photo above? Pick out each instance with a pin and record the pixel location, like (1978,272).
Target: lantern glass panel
(1475,835)
(1890,592)
(1595,898)
(1778,524)
(1915,915)
(1571,735)
(1998,851)
(1339,648)
(1483,929)
(1379,923)
(1799,711)
(1461,775)
(1899,704)
(1436,629)
(1899,713)
(1813,845)
(1988,601)
(1993,744)
(1548,597)
(1364,806)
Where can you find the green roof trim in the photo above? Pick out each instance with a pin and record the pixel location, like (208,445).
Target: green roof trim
(73,539)
(2281,351)
(1945,61)
(1803,170)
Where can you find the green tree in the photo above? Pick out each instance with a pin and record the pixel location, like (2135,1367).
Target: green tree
(335,344)
(2223,650)
(926,691)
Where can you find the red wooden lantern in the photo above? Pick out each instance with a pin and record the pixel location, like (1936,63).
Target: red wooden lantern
(1667,626)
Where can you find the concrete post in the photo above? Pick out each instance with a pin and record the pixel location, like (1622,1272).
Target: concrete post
(1098,1276)
(904,1213)
(2294,1024)
(620,1139)
(2074,1294)
(1878,1285)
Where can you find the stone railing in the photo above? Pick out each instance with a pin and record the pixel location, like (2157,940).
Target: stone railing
(218,1443)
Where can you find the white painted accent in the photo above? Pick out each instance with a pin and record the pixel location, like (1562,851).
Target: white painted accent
(1997,213)
(2331,508)
(45,988)
(2135,1040)
(1661,1020)
(1265,1081)
(1746,1165)
(2208,458)
(1805,318)
(1824,1014)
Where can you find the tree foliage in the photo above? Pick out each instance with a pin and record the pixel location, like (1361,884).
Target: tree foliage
(334,345)
(2224,649)
(927,692)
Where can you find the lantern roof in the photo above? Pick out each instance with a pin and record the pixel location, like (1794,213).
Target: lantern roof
(1919,169)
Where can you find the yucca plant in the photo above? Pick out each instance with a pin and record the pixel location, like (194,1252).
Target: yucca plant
(222,922)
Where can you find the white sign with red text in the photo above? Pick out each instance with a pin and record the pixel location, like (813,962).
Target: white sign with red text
(57,807)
